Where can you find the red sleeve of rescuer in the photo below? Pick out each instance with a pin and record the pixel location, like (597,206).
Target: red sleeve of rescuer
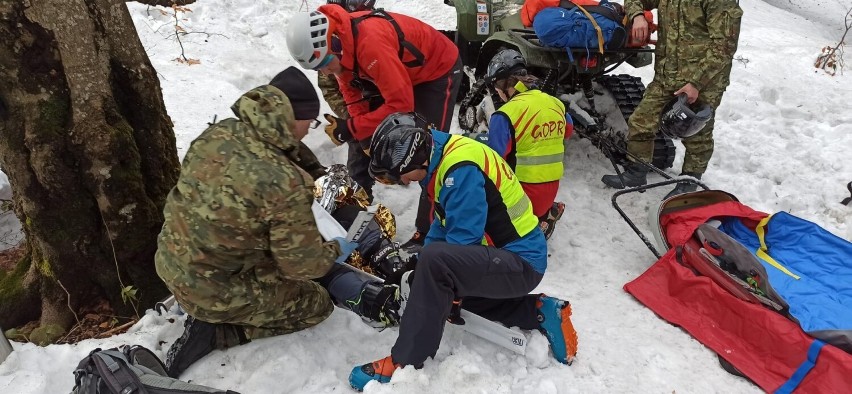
(378,59)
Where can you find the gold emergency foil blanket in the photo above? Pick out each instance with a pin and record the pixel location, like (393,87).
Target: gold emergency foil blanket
(337,189)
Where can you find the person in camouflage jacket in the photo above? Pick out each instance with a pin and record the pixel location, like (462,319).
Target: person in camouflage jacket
(696,42)
(240,246)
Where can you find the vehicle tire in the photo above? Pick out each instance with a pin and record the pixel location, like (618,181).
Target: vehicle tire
(627,91)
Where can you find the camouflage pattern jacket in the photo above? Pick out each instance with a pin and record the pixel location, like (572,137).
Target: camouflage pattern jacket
(241,210)
(696,40)
(331,93)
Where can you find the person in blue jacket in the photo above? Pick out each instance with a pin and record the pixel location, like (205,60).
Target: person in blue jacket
(484,249)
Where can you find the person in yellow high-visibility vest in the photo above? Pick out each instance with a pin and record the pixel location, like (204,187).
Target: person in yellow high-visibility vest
(529,131)
(484,247)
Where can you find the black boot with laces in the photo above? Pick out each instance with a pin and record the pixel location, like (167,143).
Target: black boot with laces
(634,175)
(198,339)
(684,187)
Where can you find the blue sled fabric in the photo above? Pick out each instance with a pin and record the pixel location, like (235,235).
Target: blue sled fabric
(821,299)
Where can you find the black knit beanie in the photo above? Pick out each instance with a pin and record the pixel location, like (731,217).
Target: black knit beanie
(300,91)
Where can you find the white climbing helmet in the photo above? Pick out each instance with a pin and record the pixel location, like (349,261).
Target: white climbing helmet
(307,39)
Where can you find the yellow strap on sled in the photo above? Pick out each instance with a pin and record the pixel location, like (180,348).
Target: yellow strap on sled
(763,251)
(597,28)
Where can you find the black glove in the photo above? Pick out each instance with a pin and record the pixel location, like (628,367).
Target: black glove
(338,130)
(307,160)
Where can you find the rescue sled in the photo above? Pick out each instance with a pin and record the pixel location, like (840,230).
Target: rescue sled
(771,294)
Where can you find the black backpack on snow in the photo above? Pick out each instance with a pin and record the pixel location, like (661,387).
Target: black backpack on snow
(130,370)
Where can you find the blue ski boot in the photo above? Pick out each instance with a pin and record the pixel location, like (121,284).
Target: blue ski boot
(379,370)
(554,315)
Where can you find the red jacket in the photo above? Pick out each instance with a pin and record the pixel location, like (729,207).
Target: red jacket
(378,61)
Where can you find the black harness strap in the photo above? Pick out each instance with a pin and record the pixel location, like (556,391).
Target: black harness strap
(403,44)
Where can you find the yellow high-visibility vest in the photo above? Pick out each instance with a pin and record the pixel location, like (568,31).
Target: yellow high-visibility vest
(538,123)
(510,214)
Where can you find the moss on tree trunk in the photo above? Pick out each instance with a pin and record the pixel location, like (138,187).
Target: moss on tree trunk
(15,290)
(89,150)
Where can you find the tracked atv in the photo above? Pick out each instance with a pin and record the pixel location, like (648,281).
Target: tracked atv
(598,102)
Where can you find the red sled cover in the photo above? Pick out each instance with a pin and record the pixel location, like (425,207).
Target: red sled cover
(765,346)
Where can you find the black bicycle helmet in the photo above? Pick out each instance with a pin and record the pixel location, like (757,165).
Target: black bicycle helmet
(400,144)
(505,63)
(682,120)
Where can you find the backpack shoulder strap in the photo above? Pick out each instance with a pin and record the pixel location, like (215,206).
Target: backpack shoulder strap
(596,26)
(404,45)
(116,372)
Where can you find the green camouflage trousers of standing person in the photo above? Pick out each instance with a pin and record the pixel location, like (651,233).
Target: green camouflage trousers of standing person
(644,124)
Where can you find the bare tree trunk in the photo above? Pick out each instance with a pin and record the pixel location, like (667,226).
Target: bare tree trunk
(90,153)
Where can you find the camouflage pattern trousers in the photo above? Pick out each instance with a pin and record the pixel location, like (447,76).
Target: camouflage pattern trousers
(644,124)
(269,308)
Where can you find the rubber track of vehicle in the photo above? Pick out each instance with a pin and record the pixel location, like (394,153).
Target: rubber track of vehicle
(627,91)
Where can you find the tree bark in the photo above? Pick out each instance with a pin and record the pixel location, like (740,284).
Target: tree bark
(89,151)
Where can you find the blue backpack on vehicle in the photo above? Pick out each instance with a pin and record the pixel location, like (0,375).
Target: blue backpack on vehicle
(560,27)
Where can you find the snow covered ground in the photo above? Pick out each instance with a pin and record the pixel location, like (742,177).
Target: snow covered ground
(783,142)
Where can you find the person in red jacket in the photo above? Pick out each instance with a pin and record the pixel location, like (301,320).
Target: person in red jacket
(412,66)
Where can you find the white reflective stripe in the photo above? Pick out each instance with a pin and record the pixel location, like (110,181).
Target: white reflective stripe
(537,160)
(518,209)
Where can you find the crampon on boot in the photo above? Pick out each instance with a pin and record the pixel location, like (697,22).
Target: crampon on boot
(379,370)
(548,223)
(554,316)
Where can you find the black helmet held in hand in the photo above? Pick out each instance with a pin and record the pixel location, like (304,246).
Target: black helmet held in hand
(401,143)
(682,120)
